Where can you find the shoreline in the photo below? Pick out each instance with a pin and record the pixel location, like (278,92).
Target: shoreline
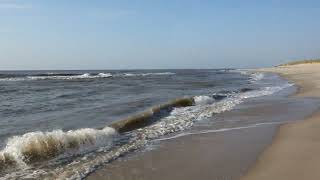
(214,155)
(305,76)
(293,151)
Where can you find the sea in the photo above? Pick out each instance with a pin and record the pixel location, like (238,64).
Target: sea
(67,124)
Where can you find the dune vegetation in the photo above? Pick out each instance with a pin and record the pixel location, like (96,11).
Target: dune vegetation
(307,61)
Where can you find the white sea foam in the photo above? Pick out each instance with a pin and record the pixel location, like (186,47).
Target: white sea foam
(83,76)
(62,77)
(254,77)
(104,75)
(244,72)
(203,100)
(158,74)
(130,74)
(222,130)
(147,74)
(13,79)
(39,145)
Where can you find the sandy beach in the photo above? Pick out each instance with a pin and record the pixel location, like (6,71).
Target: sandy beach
(294,152)
(306,76)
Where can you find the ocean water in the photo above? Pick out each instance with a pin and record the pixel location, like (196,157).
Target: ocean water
(66,124)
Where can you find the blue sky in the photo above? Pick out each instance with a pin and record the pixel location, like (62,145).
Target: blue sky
(92,34)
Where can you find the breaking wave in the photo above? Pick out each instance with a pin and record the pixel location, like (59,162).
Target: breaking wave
(151,115)
(253,76)
(256,77)
(202,100)
(64,76)
(70,77)
(38,146)
(149,74)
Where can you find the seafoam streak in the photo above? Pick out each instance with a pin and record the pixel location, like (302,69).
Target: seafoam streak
(223,130)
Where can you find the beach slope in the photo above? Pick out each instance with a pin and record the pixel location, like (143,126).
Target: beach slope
(294,152)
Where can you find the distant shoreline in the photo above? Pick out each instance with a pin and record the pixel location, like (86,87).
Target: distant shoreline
(294,151)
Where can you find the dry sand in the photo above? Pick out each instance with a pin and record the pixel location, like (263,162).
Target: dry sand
(294,153)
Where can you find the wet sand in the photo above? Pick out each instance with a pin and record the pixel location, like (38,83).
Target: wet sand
(294,153)
(206,157)
(213,155)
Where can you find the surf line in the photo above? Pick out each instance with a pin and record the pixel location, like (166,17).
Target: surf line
(153,114)
(224,130)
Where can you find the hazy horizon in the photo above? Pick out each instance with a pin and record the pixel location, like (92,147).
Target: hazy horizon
(119,35)
(146,69)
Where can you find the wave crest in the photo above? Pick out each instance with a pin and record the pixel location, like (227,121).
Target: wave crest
(37,146)
(70,77)
(203,100)
(66,76)
(254,77)
(147,74)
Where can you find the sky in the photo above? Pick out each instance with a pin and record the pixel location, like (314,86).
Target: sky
(156,34)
